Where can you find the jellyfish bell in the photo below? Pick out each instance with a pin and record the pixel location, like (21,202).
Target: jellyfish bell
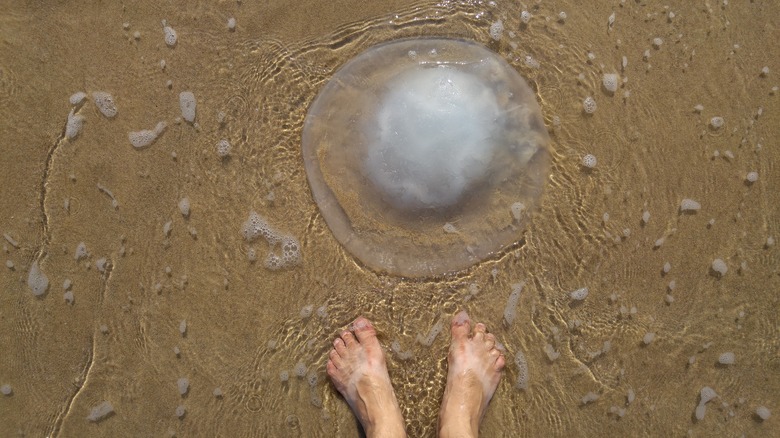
(413,134)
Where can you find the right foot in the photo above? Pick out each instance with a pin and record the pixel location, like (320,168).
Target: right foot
(475,367)
(358,369)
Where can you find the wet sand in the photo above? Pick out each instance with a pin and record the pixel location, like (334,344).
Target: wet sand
(245,324)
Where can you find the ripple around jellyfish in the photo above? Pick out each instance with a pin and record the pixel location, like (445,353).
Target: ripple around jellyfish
(414,134)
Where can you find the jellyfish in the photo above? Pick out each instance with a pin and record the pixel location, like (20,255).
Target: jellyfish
(414,134)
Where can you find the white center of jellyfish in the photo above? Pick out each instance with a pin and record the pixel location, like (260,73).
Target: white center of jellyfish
(434,139)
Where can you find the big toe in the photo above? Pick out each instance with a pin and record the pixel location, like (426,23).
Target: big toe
(460,326)
(364,330)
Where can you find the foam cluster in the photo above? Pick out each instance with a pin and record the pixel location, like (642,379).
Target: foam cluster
(77,98)
(579,294)
(719,266)
(145,137)
(689,205)
(589,105)
(184,385)
(522,371)
(496,29)
(184,207)
(705,396)
(105,103)
(73,127)
(81,251)
(170,35)
(100,411)
(223,148)
(37,280)
(510,310)
(589,161)
(187,104)
(284,252)
(611,82)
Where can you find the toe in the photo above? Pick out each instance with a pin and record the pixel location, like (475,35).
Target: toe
(339,347)
(479,332)
(335,358)
(490,341)
(348,338)
(460,326)
(331,368)
(364,330)
(500,363)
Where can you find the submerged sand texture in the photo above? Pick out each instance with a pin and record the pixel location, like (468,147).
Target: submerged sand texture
(246,326)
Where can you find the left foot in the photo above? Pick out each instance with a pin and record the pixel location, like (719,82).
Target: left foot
(358,369)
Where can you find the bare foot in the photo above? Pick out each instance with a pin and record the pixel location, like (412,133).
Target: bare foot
(358,369)
(475,367)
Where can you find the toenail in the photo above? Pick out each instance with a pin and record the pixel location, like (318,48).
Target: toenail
(359,324)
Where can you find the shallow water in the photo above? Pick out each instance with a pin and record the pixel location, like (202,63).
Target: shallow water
(653,150)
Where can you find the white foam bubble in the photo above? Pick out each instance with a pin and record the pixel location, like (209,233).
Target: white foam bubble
(184,385)
(648,338)
(100,411)
(6,389)
(184,206)
(589,161)
(180,411)
(77,98)
(763,413)
(187,105)
(611,81)
(183,327)
(145,137)
(37,280)
(579,294)
(689,205)
(589,397)
(171,38)
(719,266)
(105,103)
(496,29)
(727,358)
(101,264)
(589,105)
(706,394)
(717,122)
(552,355)
(74,124)
(223,148)
(510,310)
(522,371)
(701,410)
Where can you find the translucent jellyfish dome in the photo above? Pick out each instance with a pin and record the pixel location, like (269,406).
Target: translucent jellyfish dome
(425,156)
